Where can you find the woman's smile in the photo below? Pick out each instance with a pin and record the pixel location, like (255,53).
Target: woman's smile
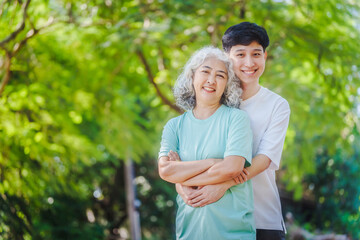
(209,81)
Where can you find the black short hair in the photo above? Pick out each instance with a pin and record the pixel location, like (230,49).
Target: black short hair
(244,34)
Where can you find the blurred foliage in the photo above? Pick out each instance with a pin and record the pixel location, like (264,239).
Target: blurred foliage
(336,193)
(87,84)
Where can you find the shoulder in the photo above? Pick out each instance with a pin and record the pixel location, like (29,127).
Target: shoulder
(236,114)
(277,100)
(176,121)
(234,111)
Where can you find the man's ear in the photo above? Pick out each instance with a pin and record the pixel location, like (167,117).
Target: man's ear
(265,55)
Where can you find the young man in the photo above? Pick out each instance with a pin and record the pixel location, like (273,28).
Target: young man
(269,116)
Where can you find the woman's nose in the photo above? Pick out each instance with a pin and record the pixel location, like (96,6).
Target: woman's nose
(211,79)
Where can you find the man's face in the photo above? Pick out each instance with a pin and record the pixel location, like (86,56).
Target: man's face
(249,62)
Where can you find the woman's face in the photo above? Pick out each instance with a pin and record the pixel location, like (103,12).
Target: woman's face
(209,81)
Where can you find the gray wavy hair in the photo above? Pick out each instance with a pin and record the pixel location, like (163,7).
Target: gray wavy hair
(184,91)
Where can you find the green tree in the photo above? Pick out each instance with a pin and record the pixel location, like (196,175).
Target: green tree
(87,84)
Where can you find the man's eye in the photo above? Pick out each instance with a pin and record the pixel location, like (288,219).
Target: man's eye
(204,71)
(219,75)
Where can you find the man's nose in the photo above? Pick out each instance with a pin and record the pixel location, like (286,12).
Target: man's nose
(249,62)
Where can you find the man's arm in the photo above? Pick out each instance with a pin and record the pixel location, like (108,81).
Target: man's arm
(259,164)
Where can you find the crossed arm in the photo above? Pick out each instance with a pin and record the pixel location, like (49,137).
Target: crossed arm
(201,196)
(200,172)
(204,195)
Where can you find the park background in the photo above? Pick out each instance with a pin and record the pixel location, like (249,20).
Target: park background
(86,85)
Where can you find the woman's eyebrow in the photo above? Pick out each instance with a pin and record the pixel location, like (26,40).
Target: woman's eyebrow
(207,67)
(216,70)
(222,71)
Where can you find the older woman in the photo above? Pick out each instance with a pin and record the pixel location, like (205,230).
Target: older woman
(211,143)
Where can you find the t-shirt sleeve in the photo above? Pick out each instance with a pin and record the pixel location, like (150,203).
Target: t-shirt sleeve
(169,139)
(239,142)
(273,139)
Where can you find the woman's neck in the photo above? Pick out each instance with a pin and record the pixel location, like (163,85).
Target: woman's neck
(205,111)
(249,90)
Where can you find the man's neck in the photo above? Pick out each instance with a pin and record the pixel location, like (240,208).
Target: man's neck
(249,90)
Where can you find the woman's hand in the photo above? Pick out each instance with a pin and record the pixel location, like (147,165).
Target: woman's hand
(173,156)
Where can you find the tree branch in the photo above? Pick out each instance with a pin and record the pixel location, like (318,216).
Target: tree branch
(160,60)
(31,33)
(318,65)
(2,7)
(9,54)
(152,81)
(7,74)
(20,27)
(242,9)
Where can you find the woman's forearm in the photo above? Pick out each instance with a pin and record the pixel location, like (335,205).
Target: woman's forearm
(218,173)
(180,171)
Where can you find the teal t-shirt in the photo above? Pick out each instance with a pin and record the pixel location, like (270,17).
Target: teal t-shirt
(226,132)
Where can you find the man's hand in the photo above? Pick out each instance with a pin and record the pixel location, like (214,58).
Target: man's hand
(242,177)
(185,191)
(206,194)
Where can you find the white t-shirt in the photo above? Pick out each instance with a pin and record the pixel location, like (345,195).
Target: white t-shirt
(269,118)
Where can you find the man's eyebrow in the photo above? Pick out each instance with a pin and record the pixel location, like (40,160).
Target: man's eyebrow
(243,49)
(221,71)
